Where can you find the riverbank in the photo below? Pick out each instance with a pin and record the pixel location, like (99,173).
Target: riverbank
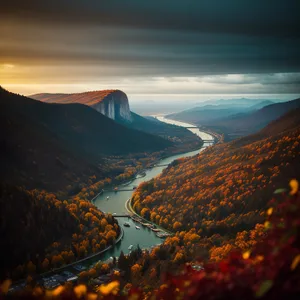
(77,262)
(130,210)
(142,171)
(192,126)
(217,136)
(144,237)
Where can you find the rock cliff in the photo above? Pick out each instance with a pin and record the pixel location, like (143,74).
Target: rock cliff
(115,106)
(111,103)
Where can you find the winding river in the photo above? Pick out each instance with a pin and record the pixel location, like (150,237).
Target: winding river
(114,202)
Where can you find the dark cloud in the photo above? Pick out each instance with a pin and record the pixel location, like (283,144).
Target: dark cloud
(147,52)
(135,38)
(256,17)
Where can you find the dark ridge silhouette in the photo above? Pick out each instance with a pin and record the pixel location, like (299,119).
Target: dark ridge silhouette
(287,122)
(114,104)
(51,145)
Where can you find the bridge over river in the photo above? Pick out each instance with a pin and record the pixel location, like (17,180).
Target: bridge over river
(119,190)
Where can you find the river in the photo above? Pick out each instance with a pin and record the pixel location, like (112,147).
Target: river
(144,237)
(115,203)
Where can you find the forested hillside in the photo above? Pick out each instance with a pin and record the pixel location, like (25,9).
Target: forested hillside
(39,232)
(221,194)
(268,269)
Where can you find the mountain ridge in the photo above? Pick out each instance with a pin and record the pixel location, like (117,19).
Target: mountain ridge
(111,103)
(43,142)
(241,123)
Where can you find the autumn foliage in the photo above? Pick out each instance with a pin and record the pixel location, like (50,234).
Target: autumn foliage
(269,270)
(218,198)
(43,232)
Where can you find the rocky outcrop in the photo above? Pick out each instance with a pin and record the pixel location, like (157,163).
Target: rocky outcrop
(111,103)
(115,106)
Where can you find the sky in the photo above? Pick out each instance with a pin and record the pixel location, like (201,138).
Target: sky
(158,49)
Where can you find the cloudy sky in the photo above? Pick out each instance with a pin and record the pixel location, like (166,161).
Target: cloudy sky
(151,49)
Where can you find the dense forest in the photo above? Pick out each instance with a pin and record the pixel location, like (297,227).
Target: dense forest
(221,239)
(217,204)
(40,232)
(222,193)
(269,270)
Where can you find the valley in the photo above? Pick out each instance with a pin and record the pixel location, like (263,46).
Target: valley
(214,214)
(114,202)
(78,146)
(55,155)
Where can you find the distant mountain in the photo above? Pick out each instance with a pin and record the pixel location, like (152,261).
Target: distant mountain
(260,105)
(202,115)
(240,102)
(53,145)
(236,121)
(212,112)
(247,123)
(150,107)
(111,103)
(232,106)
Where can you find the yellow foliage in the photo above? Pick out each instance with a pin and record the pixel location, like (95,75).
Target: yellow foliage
(58,291)
(134,296)
(80,290)
(163,286)
(37,291)
(92,296)
(246,254)
(295,262)
(267,225)
(260,258)
(294,184)
(4,287)
(110,288)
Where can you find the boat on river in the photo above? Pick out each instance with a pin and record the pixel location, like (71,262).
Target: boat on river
(126,224)
(130,247)
(137,227)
